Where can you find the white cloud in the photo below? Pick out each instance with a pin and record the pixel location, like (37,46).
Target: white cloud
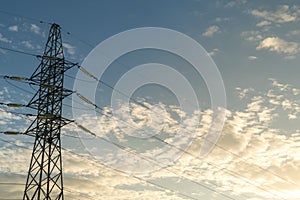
(27,44)
(278,45)
(252,36)
(13,28)
(244,92)
(213,52)
(283,14)
(289,57)
(35,29)
(219,19)
(252,58)
(70,49)
(258,158)
(235,3)
(210,31)
(294,32)
(263,23)
(4,39)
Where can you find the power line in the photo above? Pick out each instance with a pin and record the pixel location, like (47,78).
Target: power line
(136,177)
(78,38)
(27,186)
(150,182)
(27,115)
(222,148)
(98,107)
(20,52)
(111,87)
(19,88)
(91,138)
(81,194)
(24,17)
(118,171)
(6,78)
(124,148)
(66,188)
(47,22)
(152,160)
(141,104)
(231,172)
(10,199)
(3,183)
(3,140)
(147,108)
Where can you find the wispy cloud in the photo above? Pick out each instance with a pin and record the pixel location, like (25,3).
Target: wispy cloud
(70,48)
(252,57)
(244,92)
(34,28)
(14,28)
(210,31)
(4,39)
(252,36)
(263,23)
(231,4)
(293,33)
(283,14)
(213,52)
(27,44)
(278,45)
(258,159)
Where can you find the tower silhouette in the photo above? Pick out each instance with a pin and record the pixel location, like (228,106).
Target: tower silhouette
(45,177)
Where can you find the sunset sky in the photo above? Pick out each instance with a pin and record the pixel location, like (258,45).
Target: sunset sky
(254,45)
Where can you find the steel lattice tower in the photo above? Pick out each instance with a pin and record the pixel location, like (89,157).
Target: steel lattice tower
(45,179)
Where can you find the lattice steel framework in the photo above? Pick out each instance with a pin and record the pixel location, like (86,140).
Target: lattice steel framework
(45,178)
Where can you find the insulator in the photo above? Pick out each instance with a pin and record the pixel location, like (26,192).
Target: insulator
(15,105)
(85,129)
(46,116)
(87,73)
(84,99)
(51,87)
(15,78)
(50,58)
(11,133)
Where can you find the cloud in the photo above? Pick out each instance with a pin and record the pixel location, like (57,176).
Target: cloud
(264,152)
(251,155)
(13,28)
(294,32)
(213,52)
(231,4)
(252,58)
(278,45)
(252,36)
(219,19)
(70,49)
(27,44)
(4,39)
(210,31)
(263,23)
(283,14)
(36,29)
(244,92)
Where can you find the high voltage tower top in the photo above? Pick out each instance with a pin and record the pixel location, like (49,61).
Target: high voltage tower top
(45,179)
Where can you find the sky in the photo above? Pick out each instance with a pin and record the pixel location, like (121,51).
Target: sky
(154,102)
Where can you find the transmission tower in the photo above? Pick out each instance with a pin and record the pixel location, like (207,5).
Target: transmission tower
(45,178)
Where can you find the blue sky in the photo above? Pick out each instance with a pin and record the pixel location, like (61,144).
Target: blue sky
(255,46)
